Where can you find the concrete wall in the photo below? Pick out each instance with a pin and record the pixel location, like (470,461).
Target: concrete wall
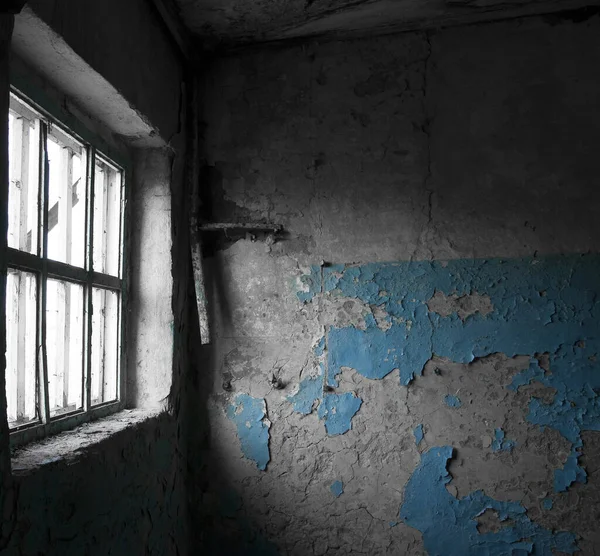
(341,387)
(127,44)
(116,486)
(121,494)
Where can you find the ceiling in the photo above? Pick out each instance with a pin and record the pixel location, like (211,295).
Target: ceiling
(229,23)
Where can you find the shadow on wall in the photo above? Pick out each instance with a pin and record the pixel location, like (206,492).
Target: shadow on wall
(123,495)
(221,524)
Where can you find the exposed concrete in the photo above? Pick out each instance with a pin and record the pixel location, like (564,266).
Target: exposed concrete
(456,145)
(463,305)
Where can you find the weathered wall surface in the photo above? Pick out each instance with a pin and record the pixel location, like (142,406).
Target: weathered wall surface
(343,387)
(121,495)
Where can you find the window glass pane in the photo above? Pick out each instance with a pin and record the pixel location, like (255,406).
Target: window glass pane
(64,346)
(105,345)
(107,218)
(23,144)
(66,199)
(21,299)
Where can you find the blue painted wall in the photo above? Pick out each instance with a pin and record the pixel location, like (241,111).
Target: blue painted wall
(540,305)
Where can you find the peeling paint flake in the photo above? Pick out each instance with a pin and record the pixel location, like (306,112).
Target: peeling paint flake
(418,433)
(249,415)
(337,410)
(310,389)
(499,444)
(452,401)
(337,488)
(310,284)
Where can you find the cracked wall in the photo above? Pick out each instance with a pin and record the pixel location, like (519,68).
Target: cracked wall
(422,310)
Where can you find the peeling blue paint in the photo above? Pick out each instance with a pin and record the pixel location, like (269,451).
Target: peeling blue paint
(337,410)
(311,388)
(452,401)
(547,503)
(337,488)
(393,523)
(311,283)
(449,525)
(309,391)
(320,348)
(248,414)
(371,352)
(542,305)
(499,443)
(571,473)
(418,432)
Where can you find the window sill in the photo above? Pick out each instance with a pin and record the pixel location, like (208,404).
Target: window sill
(67,447)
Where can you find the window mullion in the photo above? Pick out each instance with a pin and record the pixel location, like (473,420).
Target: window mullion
(24,205)
(87,367)
(68,184)
(42,281)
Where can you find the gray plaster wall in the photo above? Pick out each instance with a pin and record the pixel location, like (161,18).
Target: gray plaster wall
(472,142)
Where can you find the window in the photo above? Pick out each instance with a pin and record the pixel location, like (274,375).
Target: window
(65,286)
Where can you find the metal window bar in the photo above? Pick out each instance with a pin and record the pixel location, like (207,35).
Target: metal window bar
(100,245)
(36,240)
(45,184)
(90,172)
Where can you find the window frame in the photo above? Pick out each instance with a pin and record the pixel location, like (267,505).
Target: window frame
(56,117)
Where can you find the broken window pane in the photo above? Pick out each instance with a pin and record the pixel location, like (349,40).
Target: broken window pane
(64,341)
(21,343)
(107,218)
(66,199)
(23,144)
(105,345)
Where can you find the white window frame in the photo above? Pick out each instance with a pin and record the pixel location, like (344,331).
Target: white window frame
(46,268)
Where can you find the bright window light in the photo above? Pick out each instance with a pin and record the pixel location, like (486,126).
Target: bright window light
(65,286)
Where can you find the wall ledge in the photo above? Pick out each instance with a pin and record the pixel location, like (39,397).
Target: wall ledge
(70,446)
